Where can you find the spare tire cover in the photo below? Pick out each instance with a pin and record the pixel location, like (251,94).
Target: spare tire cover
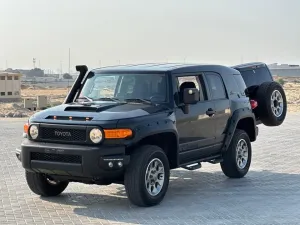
(272,104)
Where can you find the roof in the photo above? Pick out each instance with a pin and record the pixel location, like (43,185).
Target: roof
(167,67)
(245,65)
(4,73)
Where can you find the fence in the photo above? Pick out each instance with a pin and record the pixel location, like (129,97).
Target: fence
(48,84)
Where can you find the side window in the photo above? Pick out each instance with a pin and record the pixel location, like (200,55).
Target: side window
(190,82)
(193,79)
(216,86)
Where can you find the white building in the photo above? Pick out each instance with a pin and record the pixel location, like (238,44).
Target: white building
(10,85)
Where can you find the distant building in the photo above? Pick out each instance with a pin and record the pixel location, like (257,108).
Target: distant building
(284,70)
(10,85)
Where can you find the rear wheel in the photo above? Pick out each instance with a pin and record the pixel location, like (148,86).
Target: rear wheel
(237,159)
(147,176)
(44,186)
(272,104)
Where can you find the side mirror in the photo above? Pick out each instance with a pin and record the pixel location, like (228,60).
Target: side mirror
(190,96)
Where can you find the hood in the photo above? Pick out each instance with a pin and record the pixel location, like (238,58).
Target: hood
(101,111)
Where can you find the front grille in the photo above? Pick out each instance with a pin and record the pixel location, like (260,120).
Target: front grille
(62,134)
(77,159)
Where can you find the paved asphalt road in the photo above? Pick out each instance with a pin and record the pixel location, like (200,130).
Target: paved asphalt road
(269,194)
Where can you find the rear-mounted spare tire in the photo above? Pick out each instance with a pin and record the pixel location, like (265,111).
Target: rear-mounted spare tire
(272,105)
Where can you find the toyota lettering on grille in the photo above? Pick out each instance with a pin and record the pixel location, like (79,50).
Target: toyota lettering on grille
(62,134)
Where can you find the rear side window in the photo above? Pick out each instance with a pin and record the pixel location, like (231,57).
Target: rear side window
(256,76)
(240,83)
(216,86)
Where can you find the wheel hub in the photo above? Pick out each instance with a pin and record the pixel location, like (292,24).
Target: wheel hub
(154,177)
(241,154)
(277,103)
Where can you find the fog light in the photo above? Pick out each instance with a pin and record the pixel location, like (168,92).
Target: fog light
(120,164)
(110,164)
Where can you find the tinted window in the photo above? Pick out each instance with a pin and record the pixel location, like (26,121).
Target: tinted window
(240,83)
(256,76)
(216,86)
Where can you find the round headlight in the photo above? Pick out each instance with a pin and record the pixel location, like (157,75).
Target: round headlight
(34,131)
(96,135)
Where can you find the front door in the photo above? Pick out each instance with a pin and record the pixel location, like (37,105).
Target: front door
(196,129)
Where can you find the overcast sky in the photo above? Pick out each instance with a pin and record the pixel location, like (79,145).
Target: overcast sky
(138,31)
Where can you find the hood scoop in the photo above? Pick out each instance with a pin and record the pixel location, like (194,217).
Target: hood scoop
(81,109)
(74,118)
(91,108)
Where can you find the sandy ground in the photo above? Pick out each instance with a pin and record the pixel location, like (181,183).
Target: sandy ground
(57,96)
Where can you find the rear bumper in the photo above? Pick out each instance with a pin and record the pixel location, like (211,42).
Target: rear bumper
(73,160)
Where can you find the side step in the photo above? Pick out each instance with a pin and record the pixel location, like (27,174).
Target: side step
(216,160)
(193,166)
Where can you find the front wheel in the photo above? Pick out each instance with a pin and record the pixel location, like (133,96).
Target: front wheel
(147,176)
(237,158)
(44,186)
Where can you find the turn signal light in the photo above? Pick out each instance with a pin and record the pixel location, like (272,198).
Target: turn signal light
(117,133)
(26,127)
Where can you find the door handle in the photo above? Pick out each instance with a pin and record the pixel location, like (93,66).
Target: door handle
(210,112)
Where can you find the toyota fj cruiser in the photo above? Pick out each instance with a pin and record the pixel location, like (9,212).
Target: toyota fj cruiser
(132,124)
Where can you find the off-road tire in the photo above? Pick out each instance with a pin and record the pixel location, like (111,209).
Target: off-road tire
(264,110)
(39,185)
(229,164)
(135,176)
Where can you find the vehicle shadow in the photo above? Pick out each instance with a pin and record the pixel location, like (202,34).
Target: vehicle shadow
(194,194)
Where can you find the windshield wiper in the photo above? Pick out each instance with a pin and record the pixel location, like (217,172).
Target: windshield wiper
(107,99)
(141,100)
(85,97)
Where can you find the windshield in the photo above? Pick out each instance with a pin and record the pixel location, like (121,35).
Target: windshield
(125,87)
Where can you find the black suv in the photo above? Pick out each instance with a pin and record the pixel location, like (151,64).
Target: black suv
(131,124)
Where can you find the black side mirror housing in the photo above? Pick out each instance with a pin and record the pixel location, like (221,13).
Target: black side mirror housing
(190,96)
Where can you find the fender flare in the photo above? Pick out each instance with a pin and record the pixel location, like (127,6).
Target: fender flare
(237,115)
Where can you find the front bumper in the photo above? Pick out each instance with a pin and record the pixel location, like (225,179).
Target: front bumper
(90,162)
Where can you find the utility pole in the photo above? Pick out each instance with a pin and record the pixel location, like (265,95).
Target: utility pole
(60,68)
(69,61)
(34,60)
